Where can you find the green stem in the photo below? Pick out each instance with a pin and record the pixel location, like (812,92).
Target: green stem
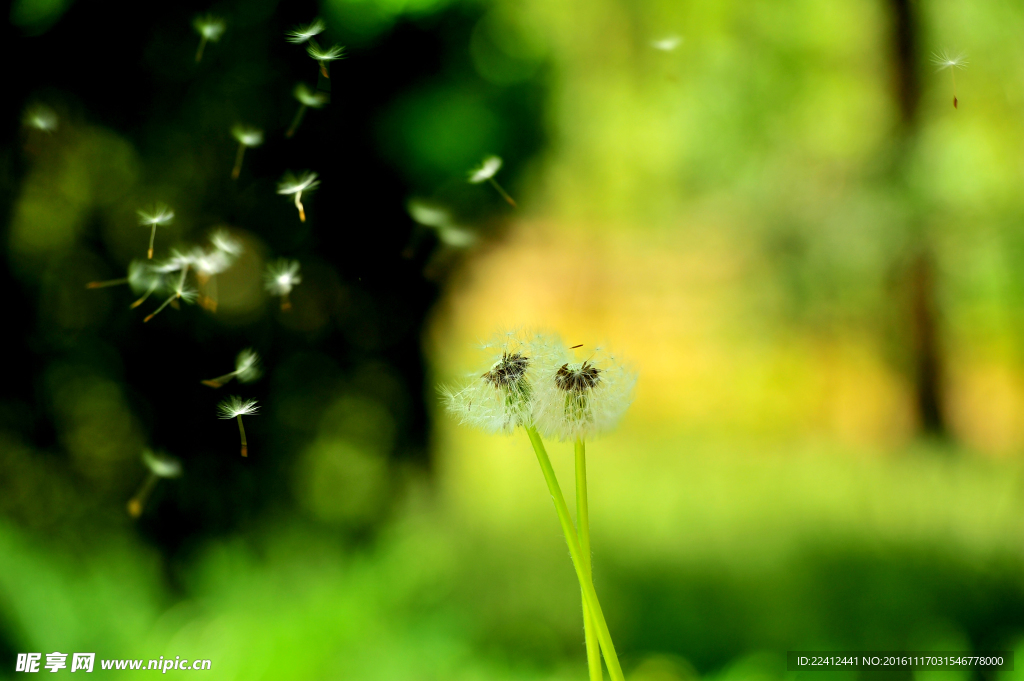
(138,502)
(295,123)
(199,52)
(583,527)
(576,553)
(152,238)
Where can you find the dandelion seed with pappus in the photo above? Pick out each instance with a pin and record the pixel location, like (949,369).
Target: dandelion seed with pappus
(140,275)
(210,28)
(158,216)
(486,172)
(308,99)
(509,394)
(322,56)
(181,292)
(247,370)
(40,117)
(224,242)
(280,278)
(301,34)
(667,44)
(440,220)
(160,466)
(952,61)
(246,136)
(236,407)
(306,182)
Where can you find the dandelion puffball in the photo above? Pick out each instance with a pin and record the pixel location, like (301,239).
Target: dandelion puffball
(576,400)
(486,172)
(498,398)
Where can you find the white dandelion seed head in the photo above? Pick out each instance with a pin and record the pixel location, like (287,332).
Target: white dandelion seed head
(325,54)
(301,34)
(225,243)
(577,399)
(159,215)
(428,214)
(247,366)
(282,276)
(668,43)
(143,275)
(160,464)
(490,166)
(247,135)
(209,26)
(40,117)
(234,406)
(291,184)
(499,396)
(949,59)
(308,97)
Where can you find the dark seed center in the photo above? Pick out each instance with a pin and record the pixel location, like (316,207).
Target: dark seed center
(508,371)
(577,380)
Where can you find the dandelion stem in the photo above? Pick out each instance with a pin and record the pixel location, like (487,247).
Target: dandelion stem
(202,46)
(504,194)
(286,303)
(323,69)
(576,553)
(109,282)
(152,238)
(298,204)
(952,72)
(141,300)
(237,170)
(295,123)
(241,431)
(136,504)
(583,527)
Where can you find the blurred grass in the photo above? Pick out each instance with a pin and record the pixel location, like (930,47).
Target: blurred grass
(706,552)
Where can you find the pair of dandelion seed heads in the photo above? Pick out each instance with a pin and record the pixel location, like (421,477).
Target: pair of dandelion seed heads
(538,381)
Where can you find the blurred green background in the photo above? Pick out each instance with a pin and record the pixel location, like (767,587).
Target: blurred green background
(773,209)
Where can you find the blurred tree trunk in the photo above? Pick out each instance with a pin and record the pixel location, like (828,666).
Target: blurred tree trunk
(918,277)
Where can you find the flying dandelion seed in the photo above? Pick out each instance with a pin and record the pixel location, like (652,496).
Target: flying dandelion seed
(246,136)
(952,61)
(280,278)
(486,172)
(308,99)
(159,216)
(160,466)
(667,44)
(236,407)
(40,117)
(301,34)
(247,370)
(323,56)
(181,292)
(440,220)
(290,184)
(210,28)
